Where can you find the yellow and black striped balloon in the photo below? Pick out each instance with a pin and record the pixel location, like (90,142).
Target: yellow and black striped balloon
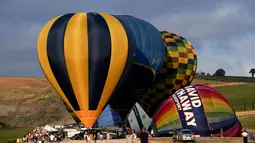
(84,56)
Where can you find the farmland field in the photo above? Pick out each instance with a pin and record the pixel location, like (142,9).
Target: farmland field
(241,97)
(11,133)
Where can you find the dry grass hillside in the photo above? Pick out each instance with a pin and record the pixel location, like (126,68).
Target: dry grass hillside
(32,101)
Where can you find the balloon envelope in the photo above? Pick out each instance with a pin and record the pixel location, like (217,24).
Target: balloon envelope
(199,108)
(178,71)
(85,56)
(148,60)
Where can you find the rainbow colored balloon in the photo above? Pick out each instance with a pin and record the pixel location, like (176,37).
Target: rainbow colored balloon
(199,108)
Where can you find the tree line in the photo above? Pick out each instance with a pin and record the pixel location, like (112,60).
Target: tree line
(221,72)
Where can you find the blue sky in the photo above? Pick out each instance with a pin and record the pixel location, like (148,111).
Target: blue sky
(222,31)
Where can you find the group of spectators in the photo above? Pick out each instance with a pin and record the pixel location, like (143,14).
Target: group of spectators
(95,136)
(131,136)
(143,137)
(41,137)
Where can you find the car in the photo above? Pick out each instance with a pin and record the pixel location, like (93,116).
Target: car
(183,135)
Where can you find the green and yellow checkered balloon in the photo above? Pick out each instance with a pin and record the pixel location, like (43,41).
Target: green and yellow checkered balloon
(177,71)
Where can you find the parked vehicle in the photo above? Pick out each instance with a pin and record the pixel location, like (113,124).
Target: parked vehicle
(183,135)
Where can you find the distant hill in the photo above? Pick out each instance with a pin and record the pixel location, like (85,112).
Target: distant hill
(32,101)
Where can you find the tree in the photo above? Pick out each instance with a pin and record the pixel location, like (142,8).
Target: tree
(252,72)
(219,72)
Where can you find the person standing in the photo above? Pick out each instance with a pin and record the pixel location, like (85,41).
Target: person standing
(152,132)
(39,138)
(95,137)
(245,136)
(108,136)
(144,136)
(101,137)
(211,134)
(52,138)
(221,133)
(86,137)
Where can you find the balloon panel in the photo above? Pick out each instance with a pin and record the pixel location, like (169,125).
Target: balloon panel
(178,71)
(138,118)
(148,59)
(199,108)
(83,67)
(108,117)
(149,44)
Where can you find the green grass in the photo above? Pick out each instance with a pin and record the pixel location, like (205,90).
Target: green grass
(11,134)
(248,122)
(239,95)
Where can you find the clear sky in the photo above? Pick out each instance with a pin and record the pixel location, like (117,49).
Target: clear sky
(222,31)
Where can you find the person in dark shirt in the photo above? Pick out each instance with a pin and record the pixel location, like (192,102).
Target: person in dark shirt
(95,137)
(144,136)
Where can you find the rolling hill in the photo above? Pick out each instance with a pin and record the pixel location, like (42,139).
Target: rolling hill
(32,101)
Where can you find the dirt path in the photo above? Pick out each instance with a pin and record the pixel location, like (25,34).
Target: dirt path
(228,84)
(245,113)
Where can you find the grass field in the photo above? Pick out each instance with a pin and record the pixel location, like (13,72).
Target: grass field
(239,96)
(248,122)
(8,135)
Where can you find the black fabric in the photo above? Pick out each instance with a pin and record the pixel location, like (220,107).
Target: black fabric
(55,52)
(144,136)
(131,91)
(99,44)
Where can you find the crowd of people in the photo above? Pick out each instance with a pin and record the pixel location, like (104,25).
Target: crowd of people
(131,136)
(38,136)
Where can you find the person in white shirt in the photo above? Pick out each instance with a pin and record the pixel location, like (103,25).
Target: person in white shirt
(108,136)
(52,138)
(152,132)
(245,136)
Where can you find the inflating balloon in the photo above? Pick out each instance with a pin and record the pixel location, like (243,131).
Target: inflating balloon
(178,71)
(199,108)
(85,56)
(148,60)
(138,118)
(109,117)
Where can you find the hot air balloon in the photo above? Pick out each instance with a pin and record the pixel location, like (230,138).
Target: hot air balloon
(148,60)
(178,71)
(199,108)
(84,56)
